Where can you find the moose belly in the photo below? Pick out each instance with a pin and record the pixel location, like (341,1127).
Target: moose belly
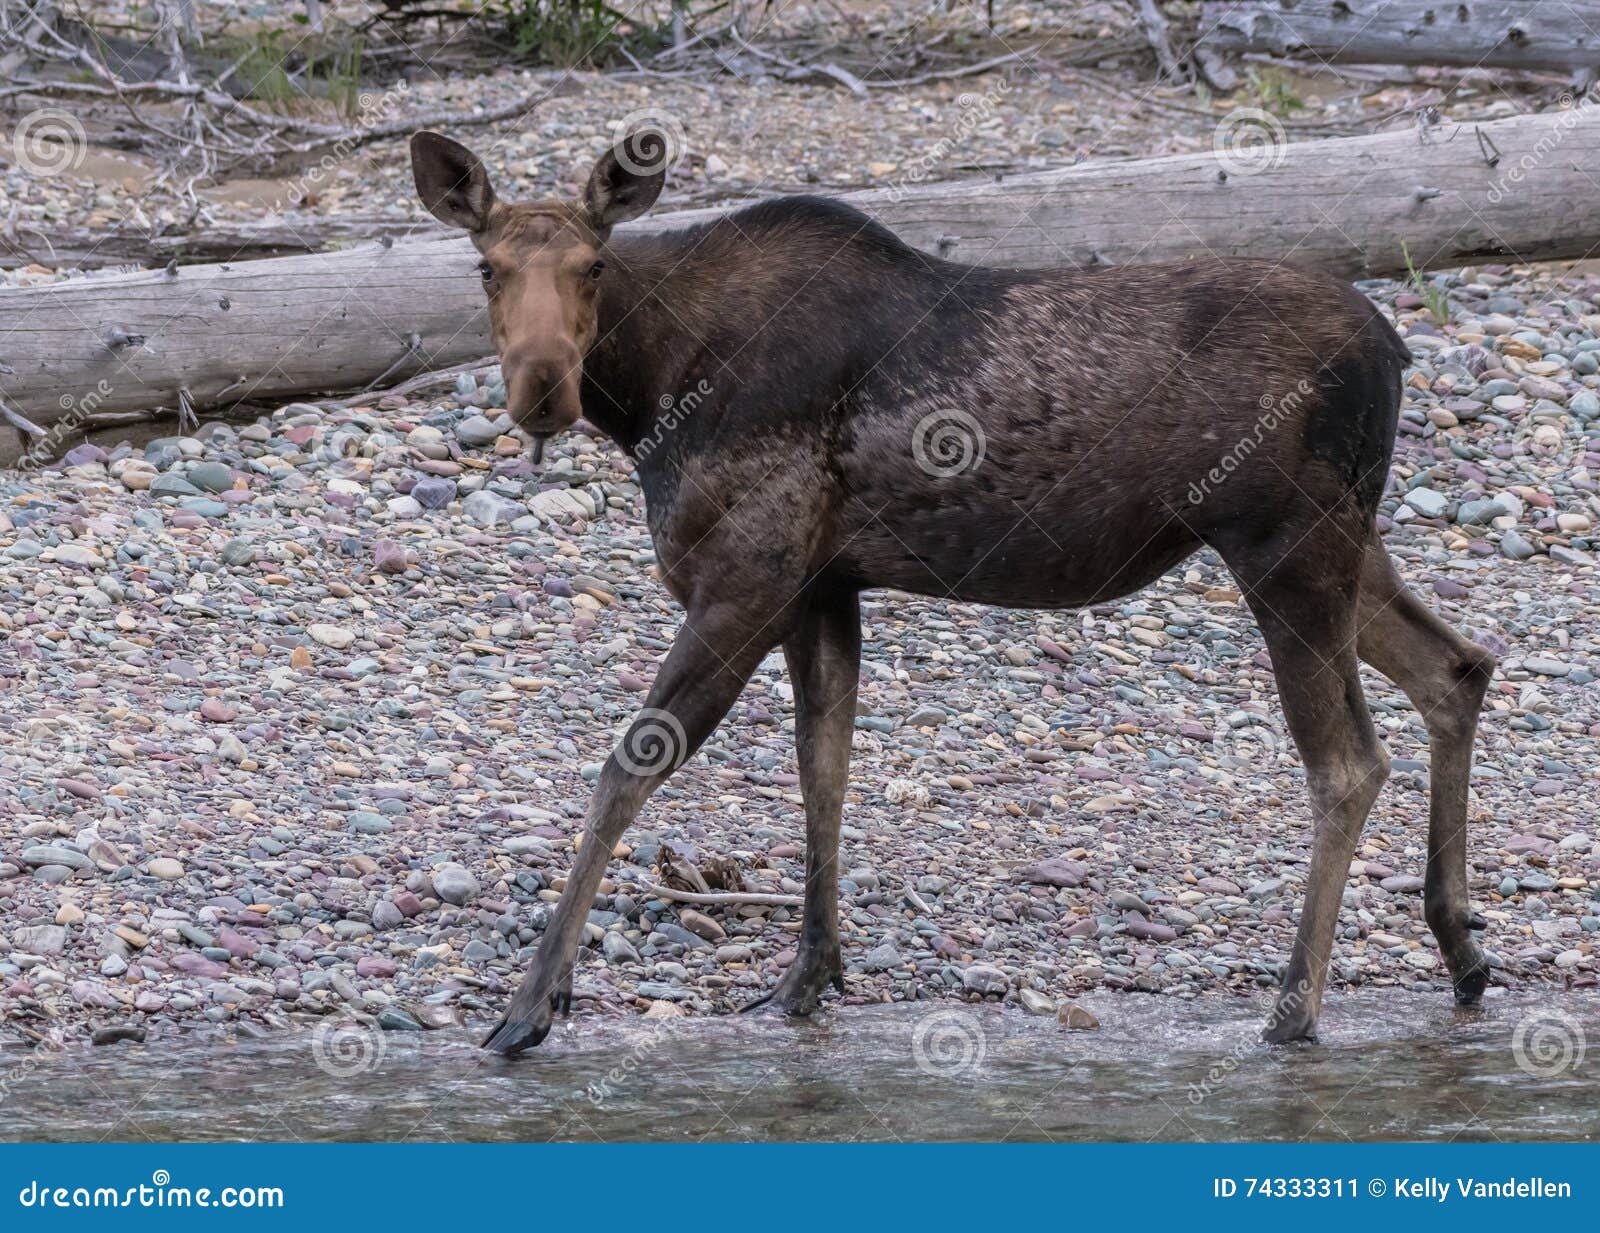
(1052,554)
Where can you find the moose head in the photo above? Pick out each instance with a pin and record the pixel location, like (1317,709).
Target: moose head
(542,263)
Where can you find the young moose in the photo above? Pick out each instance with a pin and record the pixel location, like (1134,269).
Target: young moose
(1106,425)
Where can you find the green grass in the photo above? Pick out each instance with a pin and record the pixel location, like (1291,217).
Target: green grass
(1273,92)
(280,70)
(1433,295)
(572,33)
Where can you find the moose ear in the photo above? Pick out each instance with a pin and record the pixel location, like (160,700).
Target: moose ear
(451,181)
(628,178)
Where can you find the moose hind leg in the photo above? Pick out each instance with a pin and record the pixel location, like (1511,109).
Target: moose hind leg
(1307,615)
(1446,677)
(824,655)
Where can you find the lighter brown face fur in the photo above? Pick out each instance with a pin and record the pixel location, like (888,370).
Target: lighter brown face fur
(541,269)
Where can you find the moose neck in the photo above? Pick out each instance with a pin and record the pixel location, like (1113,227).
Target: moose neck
(644,352)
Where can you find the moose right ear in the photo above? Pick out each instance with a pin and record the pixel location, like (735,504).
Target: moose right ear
(628,178)
(451,181)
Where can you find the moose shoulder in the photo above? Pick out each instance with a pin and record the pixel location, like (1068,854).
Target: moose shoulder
(815,409)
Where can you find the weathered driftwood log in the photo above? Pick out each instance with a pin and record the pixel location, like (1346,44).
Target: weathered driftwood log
(1519,189)
(1556,35)
(86,248)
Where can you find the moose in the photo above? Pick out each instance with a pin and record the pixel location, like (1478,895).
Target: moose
(866,415)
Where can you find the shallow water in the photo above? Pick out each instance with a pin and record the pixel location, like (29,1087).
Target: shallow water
(1393,1066)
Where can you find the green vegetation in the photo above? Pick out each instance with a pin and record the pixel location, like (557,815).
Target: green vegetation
(279,69)
(1273,92)
(569,33)
(1434,296)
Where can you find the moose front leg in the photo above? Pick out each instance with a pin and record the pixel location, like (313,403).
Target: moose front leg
(710,661)
(824,655)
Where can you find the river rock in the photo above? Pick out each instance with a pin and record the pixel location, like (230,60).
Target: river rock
(55,854)
(1055,871)
(455,884)
(39,939)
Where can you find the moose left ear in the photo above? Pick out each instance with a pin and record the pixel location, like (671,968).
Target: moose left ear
(628,178)
(451,181)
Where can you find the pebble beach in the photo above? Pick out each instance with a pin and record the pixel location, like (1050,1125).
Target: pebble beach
(299,716)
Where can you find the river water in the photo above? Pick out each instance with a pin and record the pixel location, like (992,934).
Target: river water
(1392,1065)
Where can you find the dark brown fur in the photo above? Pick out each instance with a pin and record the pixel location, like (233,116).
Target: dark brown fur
(774,373)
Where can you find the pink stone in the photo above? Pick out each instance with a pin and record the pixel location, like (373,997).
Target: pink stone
(1052,649)
(191,963)
(389,557)
(408,903)
(89,993)
(236,943)
(79,788)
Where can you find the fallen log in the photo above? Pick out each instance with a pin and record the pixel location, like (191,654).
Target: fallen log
(1515,190)
(89,248)
(1560,36)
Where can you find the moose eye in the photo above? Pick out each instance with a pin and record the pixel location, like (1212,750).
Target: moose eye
(486,271)
(597,269)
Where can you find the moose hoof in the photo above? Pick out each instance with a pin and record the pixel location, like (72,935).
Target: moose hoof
(800,991)
(1290,1027)
(527,1022)
(514,1033)
(795,1005)
(1469,986)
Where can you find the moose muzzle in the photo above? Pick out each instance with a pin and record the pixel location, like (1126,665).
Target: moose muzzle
(542,388)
